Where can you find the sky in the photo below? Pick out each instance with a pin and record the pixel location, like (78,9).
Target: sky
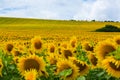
(62,9)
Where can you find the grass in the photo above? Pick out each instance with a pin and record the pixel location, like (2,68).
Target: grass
(30,24)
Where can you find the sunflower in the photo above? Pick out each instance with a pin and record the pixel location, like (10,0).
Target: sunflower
(53,58)
(15,59)
(83,67)
(87,46)
(64,45)
(9,47)
(51,48)
(64,64)
(66,53)
(16,53)
(104,48)
(59,50)
(93,60)
(31,62)
(73,42)
(117,40)
(112,66)
(31,74)
(37,43)
(1,67)
(21,48)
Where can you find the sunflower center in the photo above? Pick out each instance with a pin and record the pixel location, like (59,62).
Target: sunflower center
(118,41)
(9,47)
(52,49)
(31,64)
(88,48)
(17,53)
(94,60)
(37,45)
(73,43)
(80,66)
(112,65)
(108,49)
(67,53)
(59,51)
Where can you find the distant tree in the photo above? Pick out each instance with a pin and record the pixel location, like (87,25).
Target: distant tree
(108,28)
(93,20)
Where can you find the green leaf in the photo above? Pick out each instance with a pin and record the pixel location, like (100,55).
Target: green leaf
(66,72)
(81,78)
(101,73)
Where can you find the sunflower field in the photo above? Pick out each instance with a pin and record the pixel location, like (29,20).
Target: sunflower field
(45,50)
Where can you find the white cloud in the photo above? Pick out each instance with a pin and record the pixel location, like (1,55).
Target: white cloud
(62,9)
(100,10)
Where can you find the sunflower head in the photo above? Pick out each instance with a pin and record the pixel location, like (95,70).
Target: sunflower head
(53,58)
(82,66)
(15,59)
(64,45)
(87,46)
(16,53)
(117,40)
(31,62)
(66,53)
(66,64)
(112,66)
(9,47)
(36,43)
(21,48)
(93,60)
(104,48)
(59,51)
(51,48)
(73,42)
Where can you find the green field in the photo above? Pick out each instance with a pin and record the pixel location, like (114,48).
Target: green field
(30,24)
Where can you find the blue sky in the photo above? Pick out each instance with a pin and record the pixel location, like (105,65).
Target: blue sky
(62,9)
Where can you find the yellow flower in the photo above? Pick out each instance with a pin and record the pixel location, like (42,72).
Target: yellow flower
(104,48)
(21,48)
(117,40)
(16,53)
(66,53)
(15,59)
(83,67)
(93,60)
(87,47)
(112,66)
(31,74)
(53,58)
(51,48)
(73,42)
(67,64)
(37,43)
(64,45)
(9,47)
(31,62)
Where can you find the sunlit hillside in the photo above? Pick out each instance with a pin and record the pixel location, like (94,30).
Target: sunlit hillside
(27,24)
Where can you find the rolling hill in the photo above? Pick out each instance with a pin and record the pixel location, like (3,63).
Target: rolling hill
(28,24)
